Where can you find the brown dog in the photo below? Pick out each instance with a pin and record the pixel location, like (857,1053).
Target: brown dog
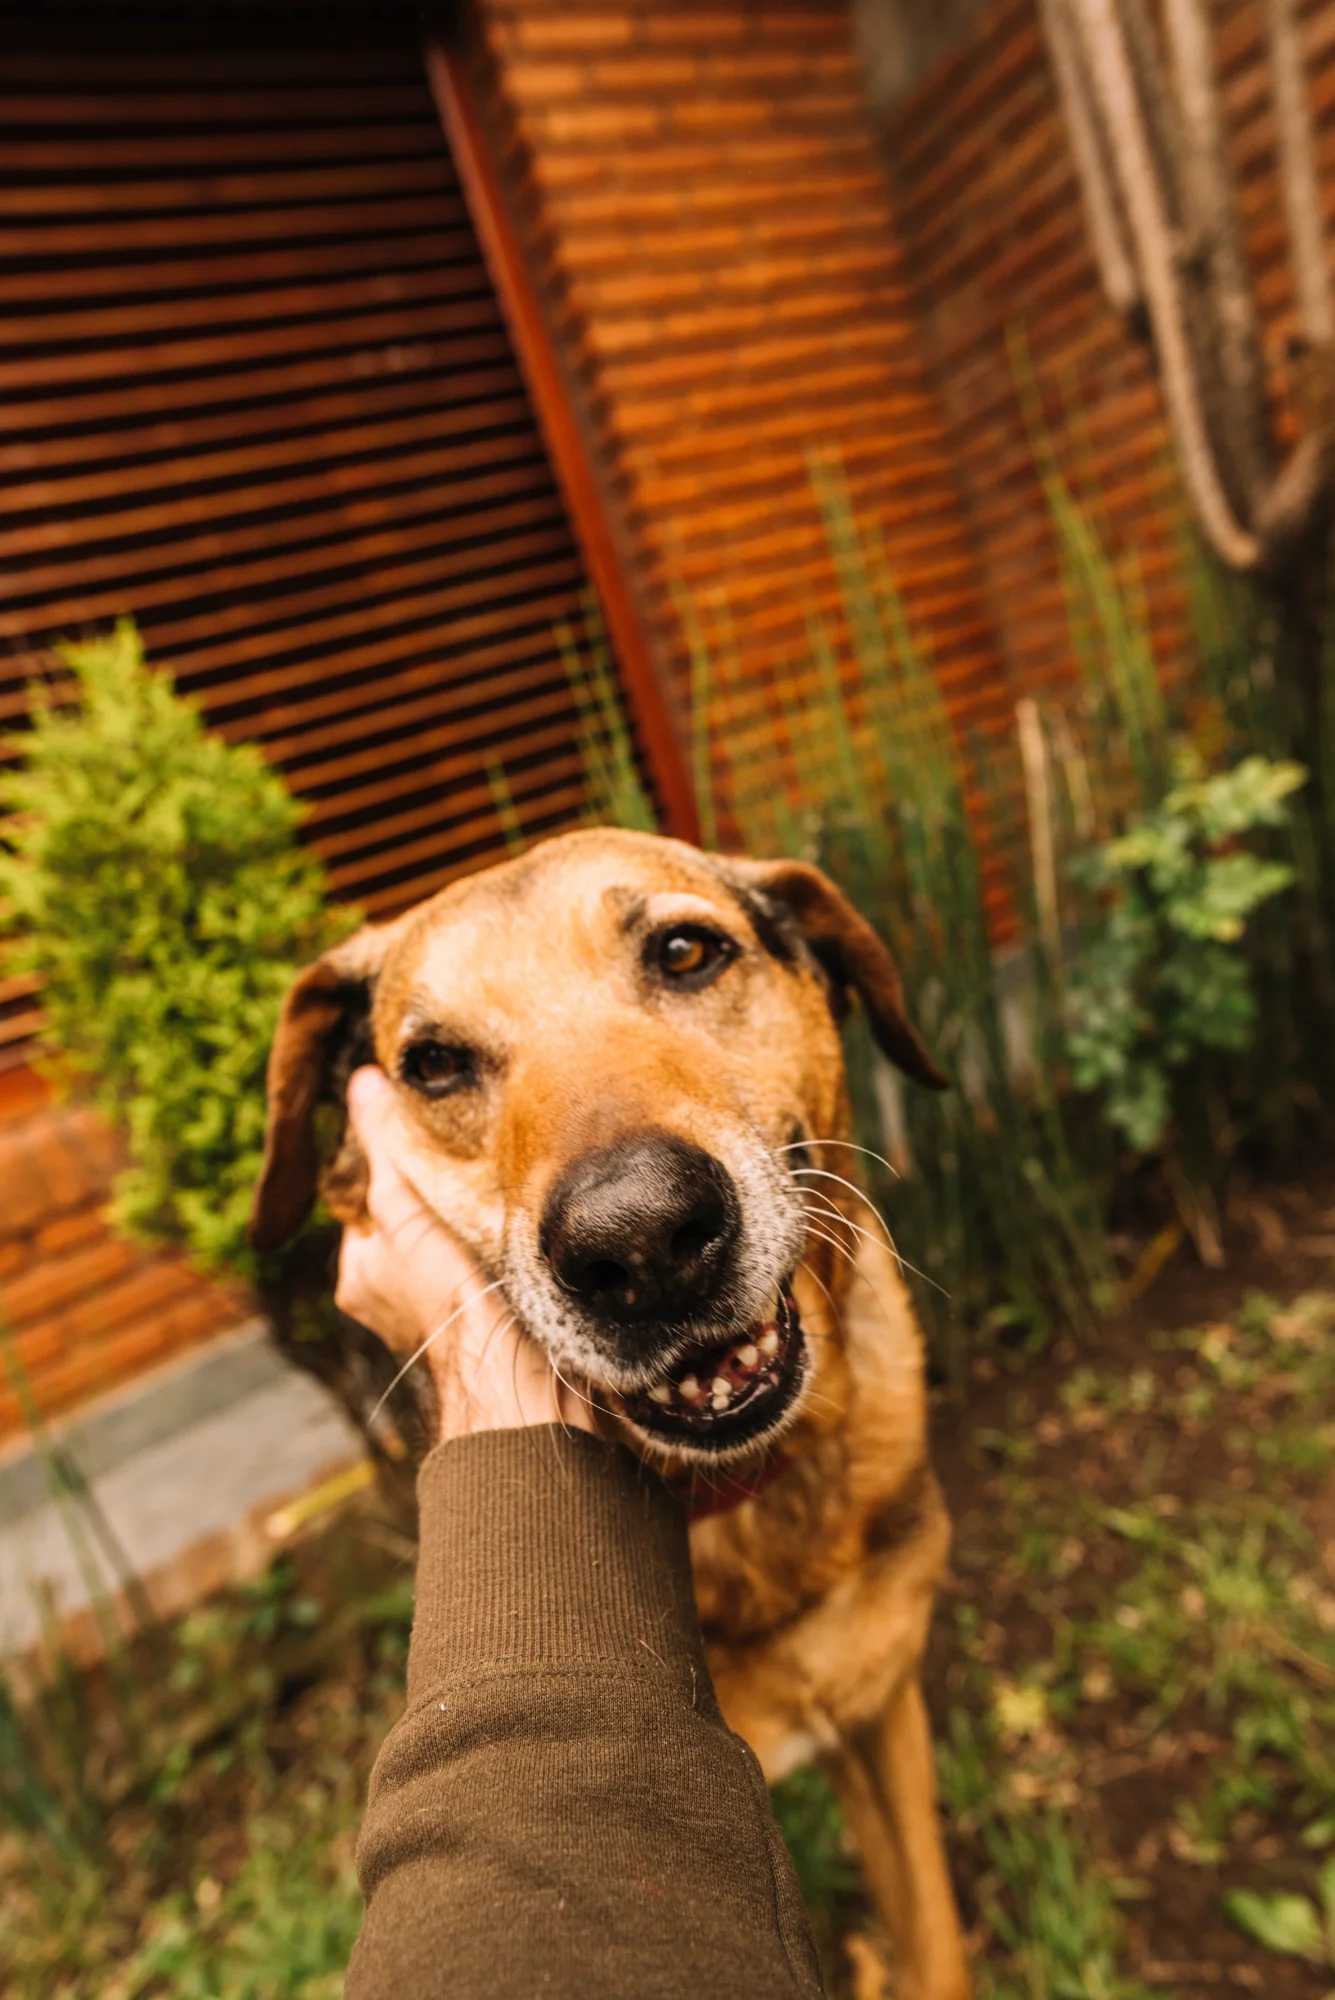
(620,1082)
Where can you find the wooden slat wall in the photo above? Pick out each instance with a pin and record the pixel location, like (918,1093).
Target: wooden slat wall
(708,211)
(995,237)
(255,389)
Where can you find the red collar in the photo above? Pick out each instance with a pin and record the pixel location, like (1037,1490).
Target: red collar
(706,1493)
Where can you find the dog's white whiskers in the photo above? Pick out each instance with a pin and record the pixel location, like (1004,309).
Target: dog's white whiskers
(430,1341)
(892,1247)
(823,1174)
(800,1145)
(824,1236)
(837,1215)
(854,1266)
(833,1214)
(890,1244)
(579,1393)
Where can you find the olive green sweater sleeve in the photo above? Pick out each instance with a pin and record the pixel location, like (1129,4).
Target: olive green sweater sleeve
(562,1810)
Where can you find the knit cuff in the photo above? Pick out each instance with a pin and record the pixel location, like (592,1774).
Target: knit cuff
(549,1547)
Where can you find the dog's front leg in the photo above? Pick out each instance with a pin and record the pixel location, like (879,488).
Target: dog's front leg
(885,1781)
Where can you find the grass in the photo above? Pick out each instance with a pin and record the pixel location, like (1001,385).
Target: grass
(1133,1671)
(1146,1613)
(214,1858)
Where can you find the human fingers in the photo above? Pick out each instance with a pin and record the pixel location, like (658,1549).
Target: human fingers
(390,1201)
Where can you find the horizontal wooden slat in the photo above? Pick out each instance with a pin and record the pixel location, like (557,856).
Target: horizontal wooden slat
(371,658)
(18,1030)
(455,832)
(455,760)
(99,326)
(93,195)
(444,696)
(374,589)
(256,384)
(321,528)
(37,284)
(110,236)
(142,64)
(352,474)
(256,462)
(235,348)
(77,108)
(68,153)
(423,812)
(422,756)
(406,629)
(314,545)
(365,399)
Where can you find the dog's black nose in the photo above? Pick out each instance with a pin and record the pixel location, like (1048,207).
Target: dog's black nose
(643,1229)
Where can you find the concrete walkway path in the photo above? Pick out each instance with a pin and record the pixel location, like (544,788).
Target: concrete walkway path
(188,1468)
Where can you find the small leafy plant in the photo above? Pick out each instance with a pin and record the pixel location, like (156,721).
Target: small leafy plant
(1166,979)
(1163,980)
(1291,1925)
(155,885)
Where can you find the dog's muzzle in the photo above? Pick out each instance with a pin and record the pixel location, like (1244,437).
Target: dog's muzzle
(643,1236)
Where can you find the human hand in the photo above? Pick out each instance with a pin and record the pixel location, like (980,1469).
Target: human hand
(406,1276)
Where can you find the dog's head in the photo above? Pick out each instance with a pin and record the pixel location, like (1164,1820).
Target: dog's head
(609,1057)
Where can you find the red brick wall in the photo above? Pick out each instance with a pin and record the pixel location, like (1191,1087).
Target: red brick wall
(710,218)
(86,1310)
(988,206)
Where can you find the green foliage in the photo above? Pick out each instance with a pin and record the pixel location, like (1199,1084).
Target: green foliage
(1041,1892)
(1161,979)
(284,1926)
(157,889)
(1288,1924)
(207,1853)
(813,1831)
(1124,1610)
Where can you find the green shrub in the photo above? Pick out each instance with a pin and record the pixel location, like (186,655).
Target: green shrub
(155,886)
(1162,980)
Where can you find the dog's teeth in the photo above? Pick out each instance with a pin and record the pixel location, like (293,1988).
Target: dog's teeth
(660,1393)
(721,1386)
(689,1388)
(769,1342)
(720,1402)
(749,1355)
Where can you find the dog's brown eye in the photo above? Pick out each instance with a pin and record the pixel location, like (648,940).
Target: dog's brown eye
(689,955)
(437,1068)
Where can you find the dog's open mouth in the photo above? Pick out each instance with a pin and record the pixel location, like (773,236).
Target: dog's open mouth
(719,1397)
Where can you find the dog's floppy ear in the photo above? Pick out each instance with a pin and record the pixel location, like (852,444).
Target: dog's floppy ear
(800,898)
(323,1033)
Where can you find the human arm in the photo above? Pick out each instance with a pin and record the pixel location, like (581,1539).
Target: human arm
(561,1809)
